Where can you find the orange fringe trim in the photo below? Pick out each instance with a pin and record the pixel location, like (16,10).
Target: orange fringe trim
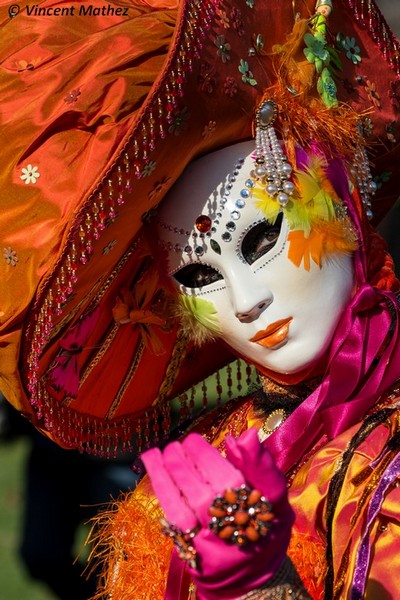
(302,123)
(127,543)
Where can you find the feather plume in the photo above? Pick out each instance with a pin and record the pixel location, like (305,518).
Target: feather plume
(303,249)
(325,239)
(267,205)
(313,202)
(198,319)
(294,69)
(339,236)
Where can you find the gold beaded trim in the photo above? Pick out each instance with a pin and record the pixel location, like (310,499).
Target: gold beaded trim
(137,355)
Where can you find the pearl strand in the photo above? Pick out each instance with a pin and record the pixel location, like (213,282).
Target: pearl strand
(271,166)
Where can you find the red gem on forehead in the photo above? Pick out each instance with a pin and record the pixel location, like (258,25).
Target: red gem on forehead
(203,223)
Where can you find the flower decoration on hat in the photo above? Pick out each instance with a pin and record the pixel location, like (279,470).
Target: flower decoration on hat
(324,56)
(316,51)
(30,174)
(10,256)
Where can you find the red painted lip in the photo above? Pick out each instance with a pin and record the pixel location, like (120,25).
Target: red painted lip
(274,334)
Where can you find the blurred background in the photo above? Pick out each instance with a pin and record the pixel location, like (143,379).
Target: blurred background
(391,10)
(47,498)
(39,543)
(390,225)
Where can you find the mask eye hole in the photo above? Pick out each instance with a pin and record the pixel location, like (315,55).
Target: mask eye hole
(260,239)
(197,275)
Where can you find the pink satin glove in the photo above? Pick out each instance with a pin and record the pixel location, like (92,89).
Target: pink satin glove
(188,476)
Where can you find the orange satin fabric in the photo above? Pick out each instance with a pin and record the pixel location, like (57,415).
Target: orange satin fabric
(308,498)
(71,87)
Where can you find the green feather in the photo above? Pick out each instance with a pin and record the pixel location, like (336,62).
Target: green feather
(198,319)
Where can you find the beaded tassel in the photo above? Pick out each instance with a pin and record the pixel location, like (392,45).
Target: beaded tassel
(271,166)
(366,186)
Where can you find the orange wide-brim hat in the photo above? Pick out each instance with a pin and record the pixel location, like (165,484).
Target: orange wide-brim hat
(102,109)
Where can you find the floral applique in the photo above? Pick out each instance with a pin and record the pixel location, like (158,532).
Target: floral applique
(237,21)
(25,65)
(10,256)
(72,96)
(111,218)
(148,168)
(107,249)
(206,78)
(209,129)
(230,87)
(30,174)
(316,51)
(179,122)
(327,88)
(373,94)
(158,188)
(326,60)
(390,132)
(247,75)
(223,48)
(394,94)
(367,127)
(351,49)
(223,17)
(250,3)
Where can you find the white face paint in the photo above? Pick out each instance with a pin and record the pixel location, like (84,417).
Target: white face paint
(273,313)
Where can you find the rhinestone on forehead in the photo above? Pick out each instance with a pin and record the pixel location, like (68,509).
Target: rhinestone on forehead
(203,223)
(205,226)
(271,169)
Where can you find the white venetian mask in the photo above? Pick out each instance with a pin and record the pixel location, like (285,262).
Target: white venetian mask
(272,312)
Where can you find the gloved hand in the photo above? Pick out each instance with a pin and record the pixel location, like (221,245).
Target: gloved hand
(187,477)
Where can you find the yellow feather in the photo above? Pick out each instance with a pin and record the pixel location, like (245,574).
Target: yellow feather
(298,217)
(307,184)
(267,205)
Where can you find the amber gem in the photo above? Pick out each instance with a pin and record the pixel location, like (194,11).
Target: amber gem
(203,223)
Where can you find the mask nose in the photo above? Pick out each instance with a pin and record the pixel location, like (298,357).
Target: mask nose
(253,314)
